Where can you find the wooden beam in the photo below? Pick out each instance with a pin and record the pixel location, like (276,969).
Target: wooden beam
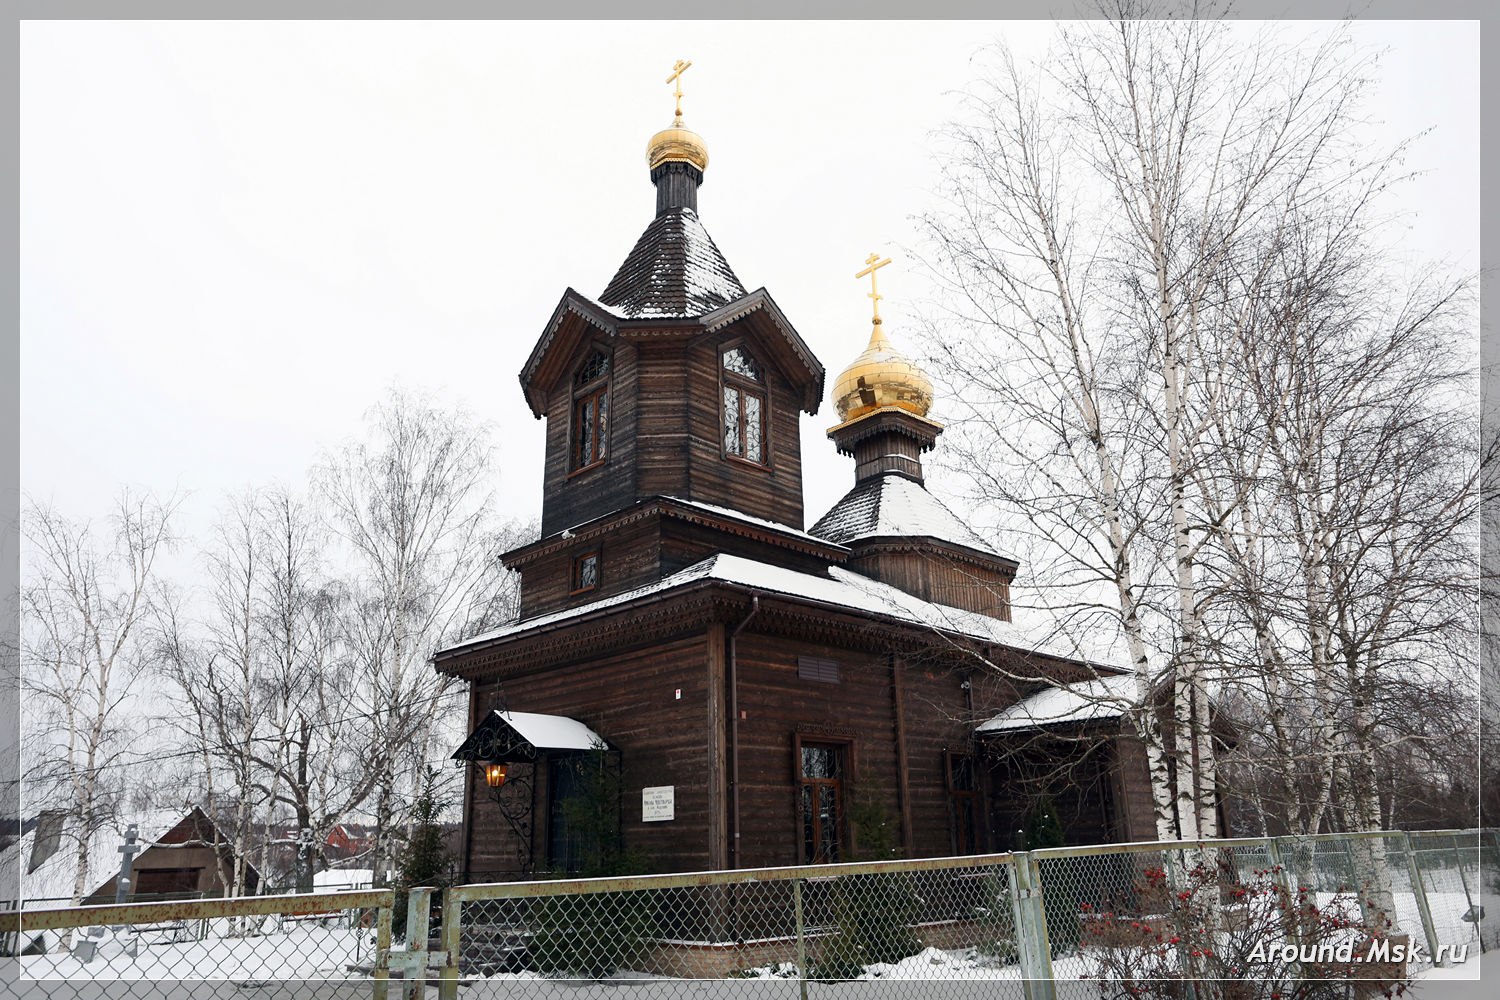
(716,716)
(468,772)
(901,782)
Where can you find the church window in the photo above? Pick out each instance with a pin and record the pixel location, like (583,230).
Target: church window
(586,572)
(591,411)
(744,407)
(822,802)
(740,363)
(963,797)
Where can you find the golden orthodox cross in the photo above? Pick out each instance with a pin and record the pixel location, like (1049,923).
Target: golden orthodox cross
(875,264)
(678,69)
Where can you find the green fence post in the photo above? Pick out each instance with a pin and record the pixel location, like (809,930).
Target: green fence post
(1284,876)
(414,965)
(1020,919)
(1366,911)
(801,938)
(382,971)
(1031,927)
(1420,892)
(448,977)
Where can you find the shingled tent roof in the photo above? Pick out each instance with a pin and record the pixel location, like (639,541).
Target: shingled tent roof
(674,270)
(889,506)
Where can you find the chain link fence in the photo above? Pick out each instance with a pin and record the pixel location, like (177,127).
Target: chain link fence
(324,945)
(1221,919)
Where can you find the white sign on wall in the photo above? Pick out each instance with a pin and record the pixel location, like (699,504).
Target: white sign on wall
(658,804)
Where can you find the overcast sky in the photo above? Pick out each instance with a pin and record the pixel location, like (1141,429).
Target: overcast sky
(235,235)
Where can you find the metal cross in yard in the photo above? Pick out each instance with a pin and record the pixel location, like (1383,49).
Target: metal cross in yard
(128,851)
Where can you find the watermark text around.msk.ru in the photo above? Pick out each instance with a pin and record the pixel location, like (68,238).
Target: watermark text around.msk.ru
(1379,950)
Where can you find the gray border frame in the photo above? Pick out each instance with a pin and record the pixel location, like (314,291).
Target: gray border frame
(658,9)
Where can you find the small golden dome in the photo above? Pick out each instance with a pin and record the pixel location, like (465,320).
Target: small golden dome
(881,376)
(677,144)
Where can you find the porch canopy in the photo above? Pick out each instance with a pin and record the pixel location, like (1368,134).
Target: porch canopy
(1097,700)
(525,737)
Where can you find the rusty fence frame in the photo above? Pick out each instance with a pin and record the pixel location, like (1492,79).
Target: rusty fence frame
(418,966)
(69,918)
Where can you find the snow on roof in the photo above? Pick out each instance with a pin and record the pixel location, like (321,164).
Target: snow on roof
(1087,701)
(54,878)
(759,522)
(838,587)
(674,270)
(339,879)
(552,732)
(893,505)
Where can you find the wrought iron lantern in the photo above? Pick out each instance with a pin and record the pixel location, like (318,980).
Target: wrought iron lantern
(494,773)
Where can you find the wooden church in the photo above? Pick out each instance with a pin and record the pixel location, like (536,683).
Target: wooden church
(745,679)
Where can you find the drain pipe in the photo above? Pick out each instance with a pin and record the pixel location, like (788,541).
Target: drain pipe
(734,731)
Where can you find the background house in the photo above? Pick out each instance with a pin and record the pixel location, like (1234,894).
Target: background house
(181,851)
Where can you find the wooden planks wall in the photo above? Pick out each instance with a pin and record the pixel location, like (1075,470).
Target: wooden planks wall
(631,700)
(936,577)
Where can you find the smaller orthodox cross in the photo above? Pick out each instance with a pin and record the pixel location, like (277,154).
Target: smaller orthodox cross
(875,264)
(128,851)
(678,69)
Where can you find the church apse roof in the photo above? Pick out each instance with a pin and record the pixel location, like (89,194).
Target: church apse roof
(892,505)
(675,271)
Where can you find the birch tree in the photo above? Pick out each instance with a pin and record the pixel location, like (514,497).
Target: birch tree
(317,755)
(1352,562)
(1095,202)
(84,605)
(413,505)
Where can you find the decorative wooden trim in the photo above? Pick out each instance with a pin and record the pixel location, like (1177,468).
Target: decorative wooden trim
(925,544)
(615,629)
(788,538)
(760,301)
(658,617)
(817,729)
(572,303)
(888,419)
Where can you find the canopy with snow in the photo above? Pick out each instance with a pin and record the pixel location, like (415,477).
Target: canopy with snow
(1089,701)
(525,737)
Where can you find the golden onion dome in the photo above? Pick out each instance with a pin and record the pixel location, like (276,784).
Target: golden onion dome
(677,144)
(881,376)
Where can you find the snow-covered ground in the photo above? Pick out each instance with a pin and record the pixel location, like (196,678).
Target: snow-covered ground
(1463,982)
(300,951)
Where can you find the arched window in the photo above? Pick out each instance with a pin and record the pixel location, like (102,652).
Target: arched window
(591,411)
(744,406)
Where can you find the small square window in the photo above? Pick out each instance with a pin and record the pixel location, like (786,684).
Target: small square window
(586,572)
